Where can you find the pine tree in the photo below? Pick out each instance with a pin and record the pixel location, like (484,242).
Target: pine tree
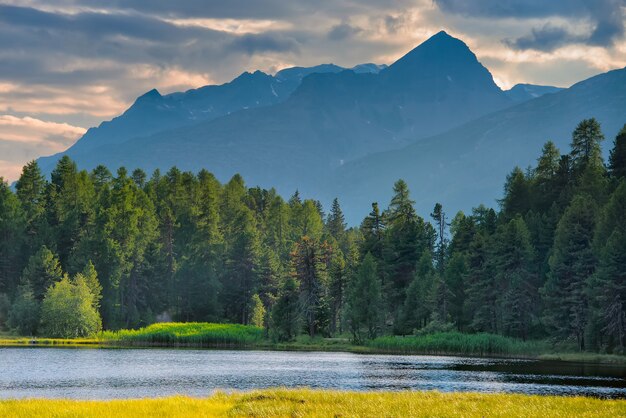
(31,192)
(516,199)
(439,217)
(42,271)
(336,223)
(405,240)
(571,264)
(585,145)
(418,305)
(243,255)
(12,224)
(364,301)
(544,187)
(286,311)
(24,312)
(309,269)
(617,158)
(373,229)
(515,278)
(258,312)
(607,287)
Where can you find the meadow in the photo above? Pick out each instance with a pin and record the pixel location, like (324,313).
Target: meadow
(315,403)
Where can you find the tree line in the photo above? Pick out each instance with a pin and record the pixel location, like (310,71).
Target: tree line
(87,250)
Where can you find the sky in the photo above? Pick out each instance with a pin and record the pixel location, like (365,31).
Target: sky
(67,65)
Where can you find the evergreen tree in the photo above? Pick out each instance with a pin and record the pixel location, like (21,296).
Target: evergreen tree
(42,271)
(585,145)
(336,222)
(516,199)
(405,240)
(373,229)
(439,217)
(515,279)
(617,158)
(364,301)
(310,270)
(240,281)
(12,224)
(418,304)
(571,264)
(24,313)
(286,311)
(258,311)
(31,192)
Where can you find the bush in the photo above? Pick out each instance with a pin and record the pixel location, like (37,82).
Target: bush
(68,310)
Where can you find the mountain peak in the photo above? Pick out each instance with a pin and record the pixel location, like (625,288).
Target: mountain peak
(152,94)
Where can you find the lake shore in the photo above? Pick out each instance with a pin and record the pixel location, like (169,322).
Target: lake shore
(322,403)
(322,345)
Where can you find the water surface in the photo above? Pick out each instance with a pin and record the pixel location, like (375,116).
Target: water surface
(138,373)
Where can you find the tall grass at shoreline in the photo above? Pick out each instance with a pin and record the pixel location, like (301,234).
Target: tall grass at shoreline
(321,403)
(191,333)
(462,344)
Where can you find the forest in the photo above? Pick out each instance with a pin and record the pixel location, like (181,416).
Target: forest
(90,251)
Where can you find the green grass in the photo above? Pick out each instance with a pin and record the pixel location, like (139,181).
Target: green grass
(320,403)
(461,344)
(192,333)
(210,335)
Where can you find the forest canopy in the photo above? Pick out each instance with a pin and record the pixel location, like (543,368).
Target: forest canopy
(90,250)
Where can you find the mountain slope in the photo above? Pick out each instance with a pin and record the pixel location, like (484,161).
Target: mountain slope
(467,165)
(331,118)
(523,92)
(153,112)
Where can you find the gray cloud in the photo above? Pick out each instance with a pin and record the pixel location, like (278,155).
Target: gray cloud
(343,31)
(547,38)
(606,16)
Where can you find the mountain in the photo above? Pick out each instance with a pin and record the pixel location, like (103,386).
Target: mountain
(467,165)
(153,112)
(332,117)
(523,92)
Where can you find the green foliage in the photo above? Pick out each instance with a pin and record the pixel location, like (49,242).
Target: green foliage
(43,270)
(181,246)
(457,343)
(365,301)
(67,310)
(191,333)
(286,312)
(258,312)
(617,158)
(24,313)
(571,264)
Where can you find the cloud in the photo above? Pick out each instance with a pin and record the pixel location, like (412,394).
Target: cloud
(266,42)
(342,31)
(606,18)
(25,138)
(84,61)
(547,38)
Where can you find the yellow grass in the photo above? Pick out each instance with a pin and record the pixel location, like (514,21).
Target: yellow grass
(310,403)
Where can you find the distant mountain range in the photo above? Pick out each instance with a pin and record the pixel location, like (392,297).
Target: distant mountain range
(434,117)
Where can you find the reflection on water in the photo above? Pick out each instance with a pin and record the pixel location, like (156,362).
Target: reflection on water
(121,373)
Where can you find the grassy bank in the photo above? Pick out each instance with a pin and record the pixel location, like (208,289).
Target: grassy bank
(461,344)
(208,335)
(197,334)
(308,403)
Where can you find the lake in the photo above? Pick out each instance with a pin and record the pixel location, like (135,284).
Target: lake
(136,373)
